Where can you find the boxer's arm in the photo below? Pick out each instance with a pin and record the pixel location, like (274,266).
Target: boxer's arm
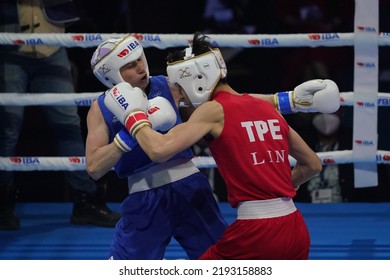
(207,118)
(312,96)
(308,163)
(100,155)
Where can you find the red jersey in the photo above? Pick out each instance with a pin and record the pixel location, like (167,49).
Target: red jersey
(252,151)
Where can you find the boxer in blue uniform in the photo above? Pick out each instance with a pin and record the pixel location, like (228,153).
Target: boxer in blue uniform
(166,200)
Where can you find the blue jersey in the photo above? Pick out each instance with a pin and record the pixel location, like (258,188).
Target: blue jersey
(127,166)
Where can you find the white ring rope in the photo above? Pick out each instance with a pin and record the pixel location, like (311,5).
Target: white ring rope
(78,163)
(162,41)
(86,99)
(59,99)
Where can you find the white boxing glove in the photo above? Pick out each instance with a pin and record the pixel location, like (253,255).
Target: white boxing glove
(327,100)
(129,105)
(321,96)
(161,114)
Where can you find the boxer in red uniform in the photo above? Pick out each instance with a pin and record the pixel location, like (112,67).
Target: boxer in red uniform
(250,142)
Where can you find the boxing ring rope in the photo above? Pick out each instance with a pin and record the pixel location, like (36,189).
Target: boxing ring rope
(86,99)
(75,163)
(162,41)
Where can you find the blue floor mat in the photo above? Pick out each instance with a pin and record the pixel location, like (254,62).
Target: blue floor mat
(341,231)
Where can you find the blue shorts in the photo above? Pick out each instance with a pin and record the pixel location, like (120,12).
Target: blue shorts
(185,210)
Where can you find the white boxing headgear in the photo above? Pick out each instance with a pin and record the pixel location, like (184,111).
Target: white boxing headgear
(111,55)
(198,75)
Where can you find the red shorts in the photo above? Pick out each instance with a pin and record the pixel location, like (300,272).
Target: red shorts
(280,238)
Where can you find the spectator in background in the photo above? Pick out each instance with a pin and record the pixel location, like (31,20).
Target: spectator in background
(43,69)
(325,186)
(334,183)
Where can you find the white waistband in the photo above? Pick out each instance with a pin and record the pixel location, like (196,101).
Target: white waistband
(160,175)
(262,209)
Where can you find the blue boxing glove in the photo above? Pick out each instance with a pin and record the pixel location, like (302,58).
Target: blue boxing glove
(124,141)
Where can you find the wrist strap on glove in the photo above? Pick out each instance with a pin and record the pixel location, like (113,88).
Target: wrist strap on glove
(283,102)
(118,143)
(136,121)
